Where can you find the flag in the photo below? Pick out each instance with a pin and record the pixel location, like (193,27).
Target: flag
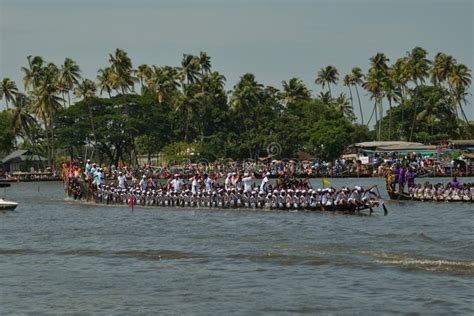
(132,201)
(325,182)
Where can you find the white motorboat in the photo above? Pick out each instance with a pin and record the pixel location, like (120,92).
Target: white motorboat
(6,205)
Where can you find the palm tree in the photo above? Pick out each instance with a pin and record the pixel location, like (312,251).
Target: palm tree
(357,80)
(442,66)
(189,68)
(391,93)
(325,98)
(186,106)
(374,85)
(121,66)
(379,61)
(204,63)
(143,74)
(22,120)
(459,80)
(418,65)
(8,90)
(295,90)
(163,82)
(45,104)
(341,103)
(33,73)
(348,82)
(106,80)
(69,76)
(435,109)
(326,76)
(86,89)
(400,77)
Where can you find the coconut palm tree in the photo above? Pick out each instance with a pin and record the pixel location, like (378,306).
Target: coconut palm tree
(459,80)
(143,74)
(121,66)
(8,90)
(357,80)
(374,85)
(86,89)
(418,65)
(163,82)
(392,94)
(348,83)
(326,76)
(33,73)
(204,63)
(325,98)
(186,105)
(189,69)
(69,76)
(400,77)
(379,61)
(295,90)
(106,80)
(341,103)
(45,103)
(22,120)
(442,66)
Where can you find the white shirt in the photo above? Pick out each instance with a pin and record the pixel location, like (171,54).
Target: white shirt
(264,184)
(121,181)
(247,181)
(194,186)
(177,183)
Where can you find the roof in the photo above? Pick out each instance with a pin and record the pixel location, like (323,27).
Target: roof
(22,155)
(407,147)
(462,142)
(384,144)
(15,154)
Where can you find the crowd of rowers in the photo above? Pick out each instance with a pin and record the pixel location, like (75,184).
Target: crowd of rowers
(399,176)
(202,190)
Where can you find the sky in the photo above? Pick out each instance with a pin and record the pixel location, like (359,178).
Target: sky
(275,40)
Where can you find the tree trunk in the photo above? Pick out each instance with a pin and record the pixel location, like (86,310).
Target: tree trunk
(53,149)
(413,123)
(390,119)
(352,103)
(360,106)
(69,97)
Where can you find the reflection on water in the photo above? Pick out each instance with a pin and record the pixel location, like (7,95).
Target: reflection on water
(58,256)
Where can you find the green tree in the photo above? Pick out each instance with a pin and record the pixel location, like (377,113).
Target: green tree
(357,80)
(418,65)
(69,76)
(8,90)
(6,133)
(122,69)
(295,90)
(326,76)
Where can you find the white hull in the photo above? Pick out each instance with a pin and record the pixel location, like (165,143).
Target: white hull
(6,205)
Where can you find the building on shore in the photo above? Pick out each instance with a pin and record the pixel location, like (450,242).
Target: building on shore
(22,160)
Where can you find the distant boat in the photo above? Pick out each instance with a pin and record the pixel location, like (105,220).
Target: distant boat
(6,205)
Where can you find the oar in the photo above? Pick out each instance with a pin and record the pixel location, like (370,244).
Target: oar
(385,210)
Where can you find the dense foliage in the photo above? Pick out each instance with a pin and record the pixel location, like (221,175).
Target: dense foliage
(185,111)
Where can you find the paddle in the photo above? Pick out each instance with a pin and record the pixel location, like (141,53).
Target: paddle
(385,211)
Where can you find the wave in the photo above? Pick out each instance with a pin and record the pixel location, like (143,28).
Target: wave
(408,262)
(138,254)
(272,257)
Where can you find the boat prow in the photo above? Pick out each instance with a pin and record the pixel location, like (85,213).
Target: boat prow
(6,205)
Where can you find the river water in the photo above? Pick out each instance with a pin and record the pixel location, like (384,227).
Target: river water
(58,256)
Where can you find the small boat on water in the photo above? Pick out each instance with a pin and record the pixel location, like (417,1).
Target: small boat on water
(6,205)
